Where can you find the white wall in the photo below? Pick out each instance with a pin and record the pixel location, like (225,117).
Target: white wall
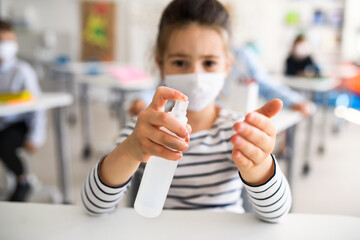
(63,17)
(59,16)
(351,31)
(264,22)
(258,20)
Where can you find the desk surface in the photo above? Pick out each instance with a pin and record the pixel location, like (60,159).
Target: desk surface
(107,81)
(103,78)
(45,101)
(42,221)
(81,68)
(286,118)
(310,84)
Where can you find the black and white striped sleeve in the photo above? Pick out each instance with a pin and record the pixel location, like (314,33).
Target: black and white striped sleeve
(272,200)
(99,198)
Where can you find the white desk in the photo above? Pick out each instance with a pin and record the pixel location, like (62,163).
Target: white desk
(46,101)
(55,101)
(324,84)
(78,74)
(312,86)
(40,221)
(287,120)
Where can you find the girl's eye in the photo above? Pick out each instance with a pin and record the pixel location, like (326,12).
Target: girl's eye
(209,63)
(179,63)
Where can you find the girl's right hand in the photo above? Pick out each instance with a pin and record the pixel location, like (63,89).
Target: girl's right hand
(148,140)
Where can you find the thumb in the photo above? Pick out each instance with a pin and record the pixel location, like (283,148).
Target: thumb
(271,108)
(162,95)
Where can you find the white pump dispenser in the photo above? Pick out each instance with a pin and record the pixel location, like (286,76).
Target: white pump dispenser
(158,175)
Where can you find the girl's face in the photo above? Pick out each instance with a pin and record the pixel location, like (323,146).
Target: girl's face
(195,49)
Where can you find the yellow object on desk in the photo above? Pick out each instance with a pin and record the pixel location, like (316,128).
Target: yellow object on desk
(13,98)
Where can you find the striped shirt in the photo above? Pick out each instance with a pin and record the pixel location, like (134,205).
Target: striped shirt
(206,178)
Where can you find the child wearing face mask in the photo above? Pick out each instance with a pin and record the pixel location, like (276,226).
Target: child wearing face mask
(300,61)
(220,152)
(23,130)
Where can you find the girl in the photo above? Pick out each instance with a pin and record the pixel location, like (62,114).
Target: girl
(300,61)
(224,153)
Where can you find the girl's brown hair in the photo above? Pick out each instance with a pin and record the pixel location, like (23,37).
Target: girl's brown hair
(180,13)
(5,26)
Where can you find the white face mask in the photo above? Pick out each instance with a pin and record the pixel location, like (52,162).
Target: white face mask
(302,50)
(8,50)
(200,88)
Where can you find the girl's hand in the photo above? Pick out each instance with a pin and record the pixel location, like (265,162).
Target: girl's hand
(303,108)
(148,140)
(136,107)
(254,141)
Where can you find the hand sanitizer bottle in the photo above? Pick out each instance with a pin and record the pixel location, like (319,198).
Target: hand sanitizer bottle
(158,175)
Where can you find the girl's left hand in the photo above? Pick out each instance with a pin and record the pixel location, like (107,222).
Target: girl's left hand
(253,142)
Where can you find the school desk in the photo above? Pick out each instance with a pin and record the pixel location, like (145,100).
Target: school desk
(56,102)
(311,86)
(287,121)
(50,222)
(103,76)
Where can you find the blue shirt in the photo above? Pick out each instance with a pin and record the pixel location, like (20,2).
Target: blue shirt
(247,58)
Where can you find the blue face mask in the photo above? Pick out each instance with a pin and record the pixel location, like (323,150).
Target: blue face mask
(200,88)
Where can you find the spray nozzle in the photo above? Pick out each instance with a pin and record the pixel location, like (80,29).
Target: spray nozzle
(180,107)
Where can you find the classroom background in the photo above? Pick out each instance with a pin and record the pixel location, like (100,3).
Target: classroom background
(93,58)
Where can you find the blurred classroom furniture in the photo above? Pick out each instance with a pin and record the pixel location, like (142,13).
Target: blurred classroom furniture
(311,86)
(57,102)
(120,79)
(287,121)
(43,221)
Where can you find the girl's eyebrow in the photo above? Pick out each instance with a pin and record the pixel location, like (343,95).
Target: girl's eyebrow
(172,55)
(210,56)
(183,55)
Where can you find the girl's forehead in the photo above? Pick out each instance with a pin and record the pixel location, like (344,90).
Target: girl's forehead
(195,40)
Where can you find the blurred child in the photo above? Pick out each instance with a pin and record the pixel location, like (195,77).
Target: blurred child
(249,60)
(222,152)
(300,61)
(22,130)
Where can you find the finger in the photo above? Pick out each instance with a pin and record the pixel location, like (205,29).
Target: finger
(157,150)
(261,122)
(189,129)
(271,108)
(162,95)
(241,161)
(255,136)
(165,139)
(166,120)
(247,149)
